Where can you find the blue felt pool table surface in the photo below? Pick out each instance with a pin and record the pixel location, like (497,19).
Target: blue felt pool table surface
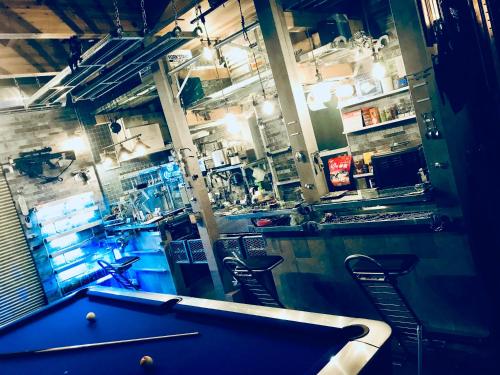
(228,343)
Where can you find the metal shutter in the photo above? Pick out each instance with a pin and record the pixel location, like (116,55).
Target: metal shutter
(20,288)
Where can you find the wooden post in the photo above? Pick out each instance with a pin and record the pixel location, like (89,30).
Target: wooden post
(187,156)
(291,96)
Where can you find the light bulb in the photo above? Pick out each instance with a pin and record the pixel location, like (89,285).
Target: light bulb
(232,124)
(124,154)
(107,162)
(321,92)
(268,108)
(208,53)
(198,31)
(344,91)
(75,143)
(314,104)
(140,148)
(236,54)
(378,70)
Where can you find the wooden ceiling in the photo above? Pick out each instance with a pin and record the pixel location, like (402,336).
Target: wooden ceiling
(33,32)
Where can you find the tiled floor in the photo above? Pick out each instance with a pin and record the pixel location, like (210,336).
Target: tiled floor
(477,359)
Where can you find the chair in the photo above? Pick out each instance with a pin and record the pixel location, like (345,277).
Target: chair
(377,277)
(251,282)
(117,272)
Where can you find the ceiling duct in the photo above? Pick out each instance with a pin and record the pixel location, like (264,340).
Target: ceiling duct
(130,67)
(103,54)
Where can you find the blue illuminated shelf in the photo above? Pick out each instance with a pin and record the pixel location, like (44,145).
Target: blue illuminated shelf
(71,247)
(74,230)
(69,215)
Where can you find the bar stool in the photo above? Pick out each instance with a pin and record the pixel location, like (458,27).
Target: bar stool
(253,276)
(377,276)
(117,270)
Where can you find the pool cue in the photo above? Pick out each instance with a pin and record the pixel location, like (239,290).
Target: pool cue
(96,345)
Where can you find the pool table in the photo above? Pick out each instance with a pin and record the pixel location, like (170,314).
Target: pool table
(230,338)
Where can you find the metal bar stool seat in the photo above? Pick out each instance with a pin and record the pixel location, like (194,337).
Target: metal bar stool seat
(377,276)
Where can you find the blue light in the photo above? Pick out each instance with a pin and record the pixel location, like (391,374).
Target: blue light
(64,241)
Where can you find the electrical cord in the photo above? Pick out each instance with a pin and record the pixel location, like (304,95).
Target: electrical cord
(58,178)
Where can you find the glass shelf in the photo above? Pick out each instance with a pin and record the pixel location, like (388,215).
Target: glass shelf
(381,125)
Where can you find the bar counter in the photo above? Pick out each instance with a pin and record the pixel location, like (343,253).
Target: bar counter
(313,277)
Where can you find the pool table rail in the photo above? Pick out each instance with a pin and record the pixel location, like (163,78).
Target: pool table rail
(351,359)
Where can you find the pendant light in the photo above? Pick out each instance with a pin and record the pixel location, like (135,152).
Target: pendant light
(321,91)
(140,148)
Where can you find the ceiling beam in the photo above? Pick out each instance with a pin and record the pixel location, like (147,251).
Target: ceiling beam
(43,53)
(105,14)
(4,72)
(41,35)
(59,12)
(28,57)
(82,14)
(8,75)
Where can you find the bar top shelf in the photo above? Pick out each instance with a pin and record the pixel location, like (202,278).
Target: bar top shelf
(366,99)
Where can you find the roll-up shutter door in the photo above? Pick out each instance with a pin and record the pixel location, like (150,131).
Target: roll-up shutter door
(20,288)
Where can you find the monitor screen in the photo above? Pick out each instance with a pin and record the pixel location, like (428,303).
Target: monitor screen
(399,168)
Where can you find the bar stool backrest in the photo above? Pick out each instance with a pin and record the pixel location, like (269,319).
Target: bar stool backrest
(382,289)
(228,247)
(254,245)
(110,270)
(250,283)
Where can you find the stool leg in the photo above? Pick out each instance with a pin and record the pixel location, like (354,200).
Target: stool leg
(419,350)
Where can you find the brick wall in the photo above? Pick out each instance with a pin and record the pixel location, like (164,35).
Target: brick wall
(25,131)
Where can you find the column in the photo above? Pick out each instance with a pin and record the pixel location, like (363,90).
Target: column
(291,96)
(186,152)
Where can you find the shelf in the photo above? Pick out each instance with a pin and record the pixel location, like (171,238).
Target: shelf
(343,150)
(162,270)
(279,151)
(224,168)
(288,182)
(135,252)
(79,261)
(68,215)
(357,101)
(363,175)
(74,230)
(277,229)
(381,125)
(235,91)
(71,247)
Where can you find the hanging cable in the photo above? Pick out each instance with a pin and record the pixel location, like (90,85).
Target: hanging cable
(144,18)
(118,25)
(177,29)
(21,94)
(247,39)
(198,31)
(318,73)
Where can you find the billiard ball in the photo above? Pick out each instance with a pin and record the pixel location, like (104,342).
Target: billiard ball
(146,361)
(90,317)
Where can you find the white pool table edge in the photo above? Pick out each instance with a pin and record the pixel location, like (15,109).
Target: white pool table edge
(351,359)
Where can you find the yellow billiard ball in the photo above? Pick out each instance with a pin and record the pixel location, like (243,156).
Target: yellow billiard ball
(146,361)
(90,317)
